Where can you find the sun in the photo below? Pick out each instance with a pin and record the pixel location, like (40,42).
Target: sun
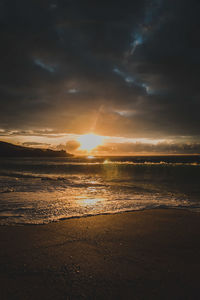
(89,141)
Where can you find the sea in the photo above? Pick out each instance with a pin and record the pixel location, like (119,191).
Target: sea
(44,190)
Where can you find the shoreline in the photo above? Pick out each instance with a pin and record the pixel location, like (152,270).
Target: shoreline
(148,254)
(195,210)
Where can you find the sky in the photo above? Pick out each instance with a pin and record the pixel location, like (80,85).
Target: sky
(125,70)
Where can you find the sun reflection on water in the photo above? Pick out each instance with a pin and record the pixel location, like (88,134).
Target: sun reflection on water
(87,201)
(106,162)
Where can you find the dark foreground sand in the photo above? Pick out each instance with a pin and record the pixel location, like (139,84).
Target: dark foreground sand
(137,255)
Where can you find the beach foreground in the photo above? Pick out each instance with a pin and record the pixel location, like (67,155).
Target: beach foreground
(137,255)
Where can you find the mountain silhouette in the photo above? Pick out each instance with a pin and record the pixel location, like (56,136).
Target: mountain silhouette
(11,150)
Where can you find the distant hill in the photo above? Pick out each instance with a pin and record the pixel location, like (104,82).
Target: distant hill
(10,150)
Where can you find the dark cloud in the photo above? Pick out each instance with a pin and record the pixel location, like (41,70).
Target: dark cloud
(147,148)
(126,68)
(35,144)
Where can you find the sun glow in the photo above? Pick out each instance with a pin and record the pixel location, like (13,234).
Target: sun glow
(89,141)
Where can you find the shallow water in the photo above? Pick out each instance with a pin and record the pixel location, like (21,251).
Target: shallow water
(37,191)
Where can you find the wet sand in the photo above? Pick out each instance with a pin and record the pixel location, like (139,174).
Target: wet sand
(151,254)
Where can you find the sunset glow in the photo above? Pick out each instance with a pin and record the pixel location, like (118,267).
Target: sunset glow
(90,141)
(99,149)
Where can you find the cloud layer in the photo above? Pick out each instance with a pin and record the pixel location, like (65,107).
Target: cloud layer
(118,68)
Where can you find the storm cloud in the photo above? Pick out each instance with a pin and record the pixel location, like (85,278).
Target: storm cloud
(117,68)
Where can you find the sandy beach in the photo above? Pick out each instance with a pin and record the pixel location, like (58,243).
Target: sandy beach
(137,255)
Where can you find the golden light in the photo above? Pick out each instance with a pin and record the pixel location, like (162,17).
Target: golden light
(106,162)
(90,141)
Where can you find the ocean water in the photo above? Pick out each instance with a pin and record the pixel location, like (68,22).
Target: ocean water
(42,190)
